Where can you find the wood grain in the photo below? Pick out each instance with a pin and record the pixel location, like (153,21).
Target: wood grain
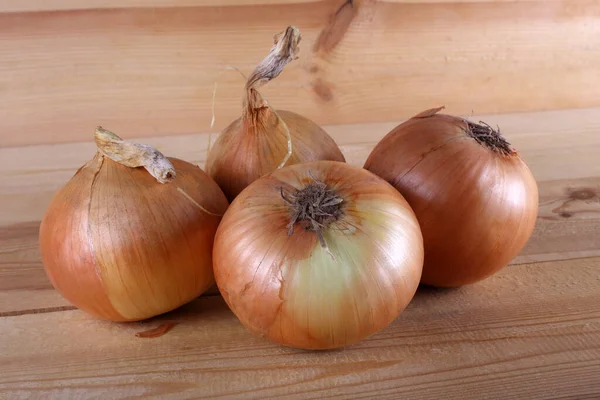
(150,71)
(561,148)
(62,5)
(7,6)
(530,332)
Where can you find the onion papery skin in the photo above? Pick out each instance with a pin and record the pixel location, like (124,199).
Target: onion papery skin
(477,207)
(289,288)
(121,246)
(255,145)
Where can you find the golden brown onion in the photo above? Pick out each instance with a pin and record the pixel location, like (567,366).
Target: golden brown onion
(475,198)
(263,139)
(318,255)
(125,243)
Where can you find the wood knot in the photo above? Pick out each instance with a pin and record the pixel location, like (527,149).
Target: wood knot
(582,194)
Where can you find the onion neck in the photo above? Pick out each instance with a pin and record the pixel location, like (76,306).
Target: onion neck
(314,207)
(134,155)
(284,51)
(256,119)
(487,136)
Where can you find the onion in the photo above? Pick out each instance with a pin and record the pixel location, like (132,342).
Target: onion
(475,198)
(318,255)
(263,139)
(124,243)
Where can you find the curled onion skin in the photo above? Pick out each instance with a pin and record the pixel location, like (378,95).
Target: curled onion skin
(123,247)
(298,293)
(476,203)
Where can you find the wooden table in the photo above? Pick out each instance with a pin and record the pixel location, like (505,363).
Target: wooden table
(530,332)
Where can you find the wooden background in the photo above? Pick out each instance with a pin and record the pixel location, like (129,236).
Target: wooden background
(146,69)
(150,71)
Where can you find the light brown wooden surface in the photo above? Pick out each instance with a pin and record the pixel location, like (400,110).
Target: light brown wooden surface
(150,71)
(65,5)
(146,69)
(60,5)
(530,332)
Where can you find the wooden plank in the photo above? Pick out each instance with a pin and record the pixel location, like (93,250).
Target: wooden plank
(151,71)
(561,148)
(530,332)
(7,6)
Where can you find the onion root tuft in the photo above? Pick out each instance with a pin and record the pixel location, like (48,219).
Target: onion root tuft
(487,136)
(314,207)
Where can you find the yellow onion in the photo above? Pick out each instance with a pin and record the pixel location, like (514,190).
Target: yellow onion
(318,255)
(263,139)
(126,243)
(475,198)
